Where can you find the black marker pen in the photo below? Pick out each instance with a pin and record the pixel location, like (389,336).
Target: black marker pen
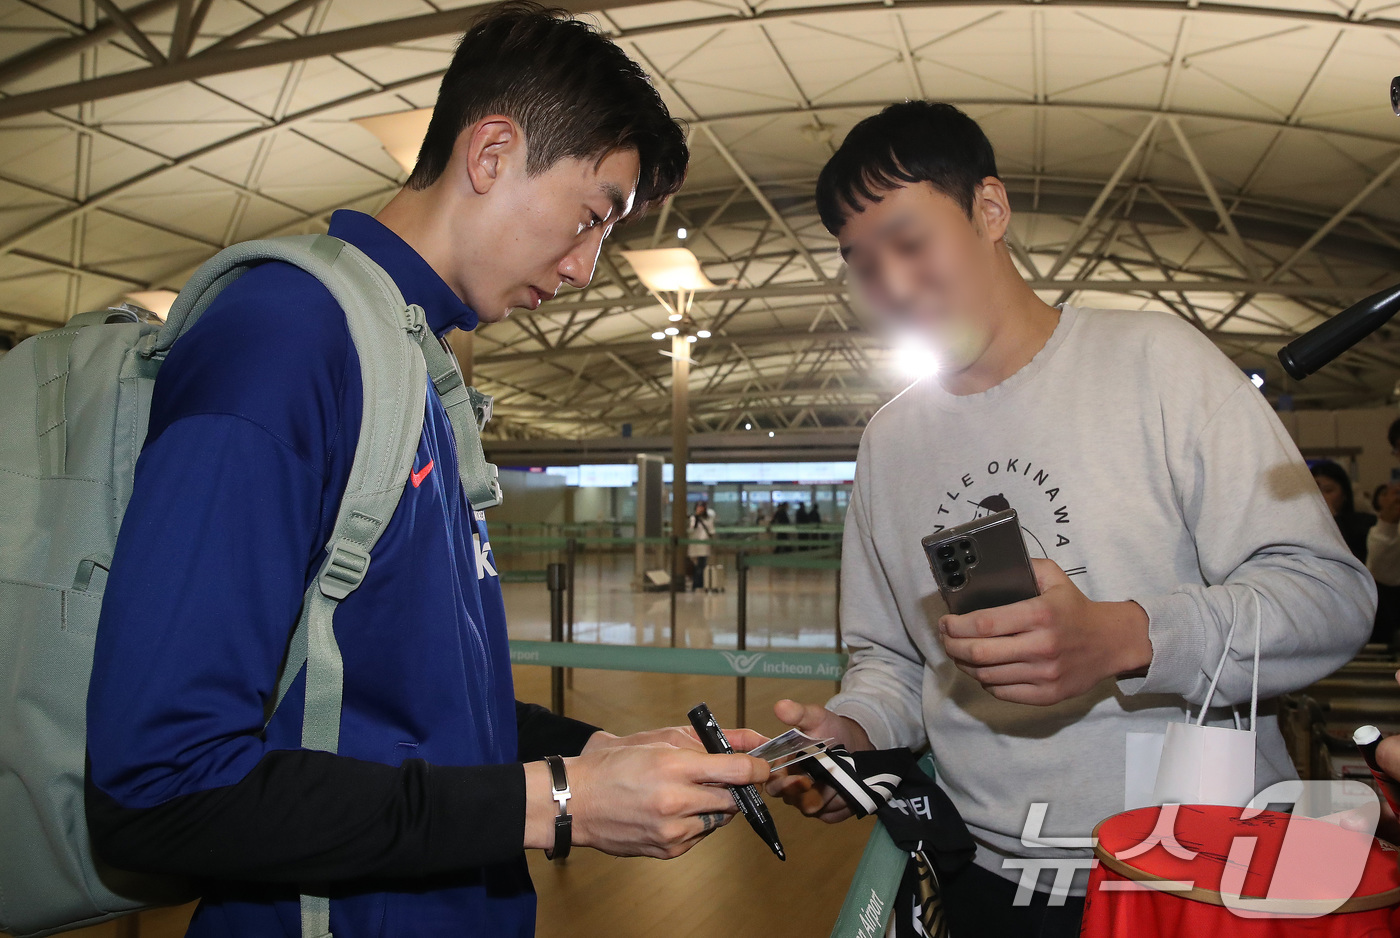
(1367,738)
(745,796)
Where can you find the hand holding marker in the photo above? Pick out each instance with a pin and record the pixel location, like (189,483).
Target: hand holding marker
(746,796)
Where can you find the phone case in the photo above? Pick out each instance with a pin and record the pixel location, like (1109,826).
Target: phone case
(982,563)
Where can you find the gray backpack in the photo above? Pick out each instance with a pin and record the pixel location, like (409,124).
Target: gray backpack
(73,409)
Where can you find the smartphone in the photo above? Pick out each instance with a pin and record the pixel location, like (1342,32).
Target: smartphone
(981,564)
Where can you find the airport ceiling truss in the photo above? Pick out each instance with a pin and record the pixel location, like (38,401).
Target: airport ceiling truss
(1231,164)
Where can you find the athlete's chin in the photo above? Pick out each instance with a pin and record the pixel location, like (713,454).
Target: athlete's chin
(495,315)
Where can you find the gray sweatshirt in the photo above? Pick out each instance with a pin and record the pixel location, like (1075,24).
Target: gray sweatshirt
(1145,464)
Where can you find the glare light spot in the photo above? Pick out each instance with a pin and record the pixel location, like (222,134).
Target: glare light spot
(703,333)
(748,426)
(914,358)
(658,335)
(681,233)
(1256,379)
(770,434)
(690,338)
(672,330)
(674,317)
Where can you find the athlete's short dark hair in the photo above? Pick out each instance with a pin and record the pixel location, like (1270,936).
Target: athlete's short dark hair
(906,143)
(573,92)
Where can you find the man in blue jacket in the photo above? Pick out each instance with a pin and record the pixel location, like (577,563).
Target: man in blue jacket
(544,136)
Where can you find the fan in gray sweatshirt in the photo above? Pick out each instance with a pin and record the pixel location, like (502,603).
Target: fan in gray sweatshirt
(1145,464)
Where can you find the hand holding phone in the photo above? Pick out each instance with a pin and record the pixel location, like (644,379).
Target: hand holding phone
(1024,630)
(981,564)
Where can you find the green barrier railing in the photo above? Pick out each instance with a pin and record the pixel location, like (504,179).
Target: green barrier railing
(809,665)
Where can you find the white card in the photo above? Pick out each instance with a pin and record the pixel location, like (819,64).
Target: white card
(789,748)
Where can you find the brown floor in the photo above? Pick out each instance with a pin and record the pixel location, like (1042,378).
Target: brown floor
(730,886)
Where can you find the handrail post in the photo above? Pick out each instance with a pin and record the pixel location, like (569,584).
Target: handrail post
(839,642)
(570,557)
(741,572)
(555,580)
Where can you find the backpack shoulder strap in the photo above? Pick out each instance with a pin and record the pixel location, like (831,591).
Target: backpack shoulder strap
(468,410)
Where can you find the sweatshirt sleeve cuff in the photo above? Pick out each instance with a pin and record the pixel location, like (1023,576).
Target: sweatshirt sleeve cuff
(1178,638)
(870,717)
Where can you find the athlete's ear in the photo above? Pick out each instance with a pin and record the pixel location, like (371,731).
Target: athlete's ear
(486,147)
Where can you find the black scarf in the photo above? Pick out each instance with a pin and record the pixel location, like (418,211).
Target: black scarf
(919,817)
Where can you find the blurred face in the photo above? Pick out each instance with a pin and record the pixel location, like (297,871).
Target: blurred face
(547,228)
(1331,493)
(923,265)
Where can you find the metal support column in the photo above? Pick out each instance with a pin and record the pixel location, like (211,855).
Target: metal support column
(680,450)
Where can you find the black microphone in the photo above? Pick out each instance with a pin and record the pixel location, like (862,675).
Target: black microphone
(1315,348)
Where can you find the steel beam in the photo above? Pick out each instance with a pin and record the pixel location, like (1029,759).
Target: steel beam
(426,26)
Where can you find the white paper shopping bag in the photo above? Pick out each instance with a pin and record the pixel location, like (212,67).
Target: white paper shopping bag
(1211,764)
(1205,765)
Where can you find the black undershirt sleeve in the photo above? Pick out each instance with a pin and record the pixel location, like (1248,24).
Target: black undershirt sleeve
(541,733)
(306,816)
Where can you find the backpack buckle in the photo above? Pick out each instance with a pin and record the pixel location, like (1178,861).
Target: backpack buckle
(344,569)
(414,318)
(482,406)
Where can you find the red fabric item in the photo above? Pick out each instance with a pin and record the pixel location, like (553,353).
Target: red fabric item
(1278,857)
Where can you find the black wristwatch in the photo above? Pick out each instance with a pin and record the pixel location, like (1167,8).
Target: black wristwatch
(564,821)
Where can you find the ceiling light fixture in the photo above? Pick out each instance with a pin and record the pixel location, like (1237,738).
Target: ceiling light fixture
(400,133)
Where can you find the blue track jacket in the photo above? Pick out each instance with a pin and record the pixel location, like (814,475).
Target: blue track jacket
(417,824)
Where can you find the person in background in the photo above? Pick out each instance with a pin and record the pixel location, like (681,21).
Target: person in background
(781,520)
(702,528)
(802,520)
(1335,485)
(814,518)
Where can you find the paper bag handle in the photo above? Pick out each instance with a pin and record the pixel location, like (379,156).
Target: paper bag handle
(1215,678)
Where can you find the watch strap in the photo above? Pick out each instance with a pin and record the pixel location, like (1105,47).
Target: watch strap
(563,821)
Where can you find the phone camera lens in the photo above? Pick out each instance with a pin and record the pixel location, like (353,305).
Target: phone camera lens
(965,544)
(945,551)
(957,579)
(950,566)
(970,559)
